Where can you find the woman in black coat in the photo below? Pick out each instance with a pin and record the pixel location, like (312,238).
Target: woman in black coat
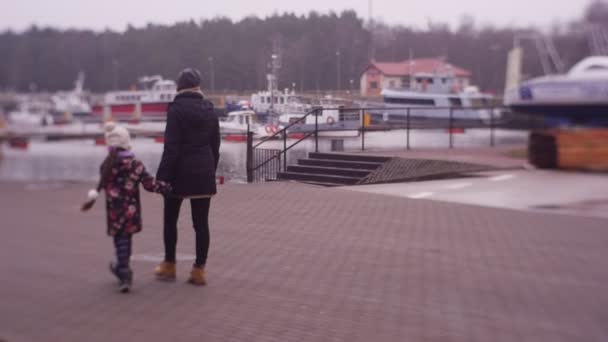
(189,162)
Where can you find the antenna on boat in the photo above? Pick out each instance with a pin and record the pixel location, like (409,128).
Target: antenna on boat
(79,83)
(274,66)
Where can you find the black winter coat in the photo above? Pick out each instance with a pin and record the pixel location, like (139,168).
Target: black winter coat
(192,146)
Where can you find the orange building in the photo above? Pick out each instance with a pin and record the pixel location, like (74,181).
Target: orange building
(407,74)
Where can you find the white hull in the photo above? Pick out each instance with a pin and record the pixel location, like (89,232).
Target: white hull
(583,91)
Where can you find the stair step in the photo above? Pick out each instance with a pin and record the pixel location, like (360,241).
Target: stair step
(324,184)
(307,177)
(348,157)
(328,170)
(340,164)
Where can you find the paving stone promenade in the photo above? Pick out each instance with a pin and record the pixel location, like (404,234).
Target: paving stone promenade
(292,262)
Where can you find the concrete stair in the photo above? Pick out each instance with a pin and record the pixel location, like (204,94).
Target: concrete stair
(332,169)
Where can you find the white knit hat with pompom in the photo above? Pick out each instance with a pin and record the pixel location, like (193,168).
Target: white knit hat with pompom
(117,136)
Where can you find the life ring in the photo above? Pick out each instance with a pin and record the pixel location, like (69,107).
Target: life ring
(274,129)
(268,129)
(330,120)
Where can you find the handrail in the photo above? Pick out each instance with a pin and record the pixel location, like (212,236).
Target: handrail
(314,110)
(281,152)
(416,107)
(408,109)
(284,130)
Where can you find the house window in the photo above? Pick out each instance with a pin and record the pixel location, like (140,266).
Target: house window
(373,85)
(391,84)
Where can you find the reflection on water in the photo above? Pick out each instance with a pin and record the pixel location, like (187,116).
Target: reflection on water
(80,160)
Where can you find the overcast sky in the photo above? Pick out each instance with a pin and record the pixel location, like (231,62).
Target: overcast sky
(116,14)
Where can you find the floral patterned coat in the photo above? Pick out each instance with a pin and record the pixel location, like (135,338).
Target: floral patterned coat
(123,206)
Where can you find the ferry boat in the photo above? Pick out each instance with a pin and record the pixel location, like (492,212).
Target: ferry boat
(436,96)
(149,104)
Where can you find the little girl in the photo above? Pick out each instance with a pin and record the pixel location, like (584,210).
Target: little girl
(121,174)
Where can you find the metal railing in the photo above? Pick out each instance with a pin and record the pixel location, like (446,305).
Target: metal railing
(263,164)
(265,167)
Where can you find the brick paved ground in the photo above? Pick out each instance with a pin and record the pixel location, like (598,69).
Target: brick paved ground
(291,262)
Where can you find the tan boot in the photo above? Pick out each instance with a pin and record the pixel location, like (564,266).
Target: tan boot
(197,276)
(165,271)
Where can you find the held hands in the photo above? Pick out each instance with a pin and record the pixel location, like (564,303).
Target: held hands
(164,188)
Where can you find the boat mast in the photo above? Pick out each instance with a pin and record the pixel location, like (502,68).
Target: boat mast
(275,66)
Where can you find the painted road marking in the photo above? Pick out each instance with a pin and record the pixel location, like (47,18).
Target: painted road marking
(458,186)
(420,195)
(501,178)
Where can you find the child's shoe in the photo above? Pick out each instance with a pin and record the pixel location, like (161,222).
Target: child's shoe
(125,282)
(165,271)
(197,276)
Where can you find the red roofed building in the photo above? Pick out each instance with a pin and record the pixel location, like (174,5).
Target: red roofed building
(414,74)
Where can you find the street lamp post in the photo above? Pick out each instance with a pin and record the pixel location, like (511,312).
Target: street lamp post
(211,75)
(115,74)
(338,81)
(352,82)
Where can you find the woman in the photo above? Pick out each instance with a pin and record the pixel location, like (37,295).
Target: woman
(189,161)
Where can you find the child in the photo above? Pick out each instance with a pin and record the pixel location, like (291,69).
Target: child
(121,174)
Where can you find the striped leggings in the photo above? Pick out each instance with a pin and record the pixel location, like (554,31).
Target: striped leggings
(122,244)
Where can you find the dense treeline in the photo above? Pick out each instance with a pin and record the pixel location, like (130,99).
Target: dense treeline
(239,52)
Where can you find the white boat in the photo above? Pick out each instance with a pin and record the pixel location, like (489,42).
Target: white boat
(436,96)
(70,104)
(278,102)
(150,103)
(240,121)
(274,101)
(332,118)
(580,93)
(30,114)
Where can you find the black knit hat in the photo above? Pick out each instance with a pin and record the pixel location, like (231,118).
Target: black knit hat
(188,78)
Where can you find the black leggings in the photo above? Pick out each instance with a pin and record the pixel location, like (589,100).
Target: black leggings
(200,220)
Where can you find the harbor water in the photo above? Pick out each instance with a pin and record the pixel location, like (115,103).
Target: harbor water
(79,160)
